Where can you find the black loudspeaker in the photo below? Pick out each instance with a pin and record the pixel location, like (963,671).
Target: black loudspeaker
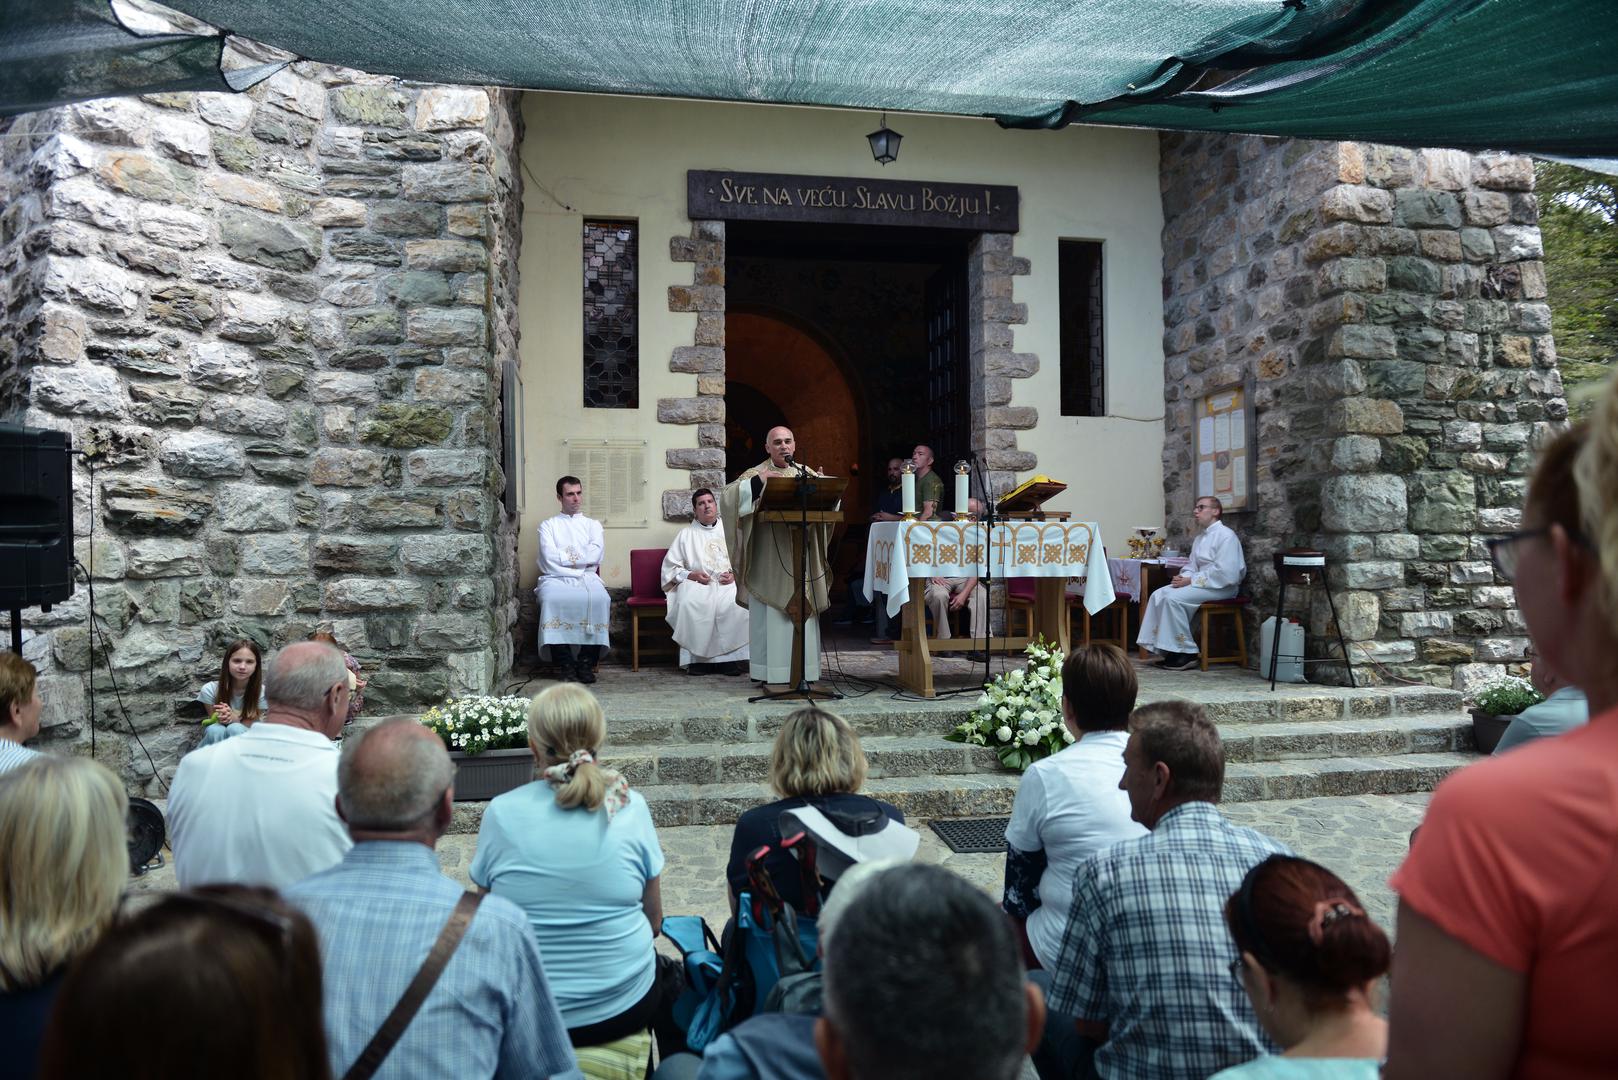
(36,518)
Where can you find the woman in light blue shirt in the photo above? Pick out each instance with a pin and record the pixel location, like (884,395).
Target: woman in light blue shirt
(1309,958)
(576,850)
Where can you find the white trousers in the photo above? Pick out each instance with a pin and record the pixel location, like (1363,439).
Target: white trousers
(1165,625)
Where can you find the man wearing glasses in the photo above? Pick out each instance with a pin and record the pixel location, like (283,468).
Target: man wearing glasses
(1214,573)
(260,809)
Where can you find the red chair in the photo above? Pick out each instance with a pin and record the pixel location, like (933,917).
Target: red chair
(1223,609)
(646,600)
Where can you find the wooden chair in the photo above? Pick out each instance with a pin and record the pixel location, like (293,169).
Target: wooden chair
(1219,610)
(1020,614)
(647,603)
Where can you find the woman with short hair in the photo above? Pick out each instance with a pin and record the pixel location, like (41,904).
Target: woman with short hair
(222,980)
(1068,805)
(19,710)
(64,861)
(1309,958)
(577,851)
(816,761)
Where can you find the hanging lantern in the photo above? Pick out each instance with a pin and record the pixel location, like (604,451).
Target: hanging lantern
(884,142)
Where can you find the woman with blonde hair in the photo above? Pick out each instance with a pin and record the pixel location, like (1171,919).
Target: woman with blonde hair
(816,762)
(577,851)
(1507,941)
(64,860)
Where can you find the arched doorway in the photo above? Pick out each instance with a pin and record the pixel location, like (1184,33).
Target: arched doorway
(777,372)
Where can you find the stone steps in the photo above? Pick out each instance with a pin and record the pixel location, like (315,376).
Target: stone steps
(742,723)
(711,783)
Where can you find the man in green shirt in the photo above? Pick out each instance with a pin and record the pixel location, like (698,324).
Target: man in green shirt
(929,485)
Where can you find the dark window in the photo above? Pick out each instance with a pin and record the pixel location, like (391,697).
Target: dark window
(1084,382)
(611,315)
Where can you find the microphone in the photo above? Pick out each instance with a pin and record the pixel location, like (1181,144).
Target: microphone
(789,460)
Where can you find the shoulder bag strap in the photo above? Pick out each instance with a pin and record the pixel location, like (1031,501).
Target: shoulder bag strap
(449,938)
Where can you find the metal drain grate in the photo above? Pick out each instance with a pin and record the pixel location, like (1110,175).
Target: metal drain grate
(973,835)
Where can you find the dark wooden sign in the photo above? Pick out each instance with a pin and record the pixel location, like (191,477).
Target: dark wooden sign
(735,196)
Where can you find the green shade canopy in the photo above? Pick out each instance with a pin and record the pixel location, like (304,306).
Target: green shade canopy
(53,52)
(1528,75)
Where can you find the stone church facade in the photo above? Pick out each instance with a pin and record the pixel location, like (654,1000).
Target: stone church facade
(278,325)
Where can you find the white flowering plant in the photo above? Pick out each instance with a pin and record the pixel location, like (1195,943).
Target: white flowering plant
(1505,696)
(475,724)
(1019,713)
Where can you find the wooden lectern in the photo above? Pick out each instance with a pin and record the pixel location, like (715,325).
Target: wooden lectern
(785,501)
(1026,501)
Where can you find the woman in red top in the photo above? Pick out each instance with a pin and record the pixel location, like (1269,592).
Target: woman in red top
(1507,962)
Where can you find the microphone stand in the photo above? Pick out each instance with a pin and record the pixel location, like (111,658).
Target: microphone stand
(803,690)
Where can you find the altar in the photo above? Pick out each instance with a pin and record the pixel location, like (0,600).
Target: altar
(901,556)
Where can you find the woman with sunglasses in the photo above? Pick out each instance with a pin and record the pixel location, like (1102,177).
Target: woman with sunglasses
(1508,945)
(218,981)
(1309,958)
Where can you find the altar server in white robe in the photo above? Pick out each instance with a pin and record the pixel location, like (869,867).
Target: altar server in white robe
(1214,573)
(573,605)
(709,626)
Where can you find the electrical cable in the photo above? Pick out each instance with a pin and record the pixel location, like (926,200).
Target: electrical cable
(95,630)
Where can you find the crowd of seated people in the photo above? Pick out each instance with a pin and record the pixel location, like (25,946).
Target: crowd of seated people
(1141,933)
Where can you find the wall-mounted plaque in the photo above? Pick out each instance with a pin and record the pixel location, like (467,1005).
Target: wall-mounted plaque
(735,196)
(1227,459)
(613,473)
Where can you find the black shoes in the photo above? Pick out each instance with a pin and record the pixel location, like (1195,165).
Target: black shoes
(1180,662)
(583,674)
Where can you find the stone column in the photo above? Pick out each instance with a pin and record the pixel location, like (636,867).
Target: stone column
(704,358)
(275,323)
(1390,304)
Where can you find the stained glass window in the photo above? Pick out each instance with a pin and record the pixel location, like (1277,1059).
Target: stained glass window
(611,321)
(1084,383)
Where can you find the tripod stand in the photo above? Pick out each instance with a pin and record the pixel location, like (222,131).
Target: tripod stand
(811,499)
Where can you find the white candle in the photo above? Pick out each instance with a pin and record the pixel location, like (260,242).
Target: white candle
(907,496)
(962,487)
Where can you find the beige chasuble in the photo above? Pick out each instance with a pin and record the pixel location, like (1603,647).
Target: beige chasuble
(761,556)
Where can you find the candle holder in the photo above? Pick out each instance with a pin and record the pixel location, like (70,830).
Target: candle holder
(907,489)
(963,488)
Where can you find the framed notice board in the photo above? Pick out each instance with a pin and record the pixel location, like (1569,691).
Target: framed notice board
(1226,460)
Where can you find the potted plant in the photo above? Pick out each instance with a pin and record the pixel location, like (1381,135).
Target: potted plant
(488,740)
(1494,704)
(1019,713)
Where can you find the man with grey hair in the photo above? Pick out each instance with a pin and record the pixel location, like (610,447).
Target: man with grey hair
(379,911)
(259,809)
(924,978)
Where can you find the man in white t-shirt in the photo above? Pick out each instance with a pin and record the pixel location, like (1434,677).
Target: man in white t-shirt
(260,809)
(1068,805)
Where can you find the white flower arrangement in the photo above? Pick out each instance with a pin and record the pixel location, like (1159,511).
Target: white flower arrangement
(1019,713)
(472,725)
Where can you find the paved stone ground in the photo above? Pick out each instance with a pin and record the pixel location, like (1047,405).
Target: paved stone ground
(1362,839)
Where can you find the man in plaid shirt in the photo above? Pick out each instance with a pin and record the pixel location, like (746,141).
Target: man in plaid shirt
(1144,972)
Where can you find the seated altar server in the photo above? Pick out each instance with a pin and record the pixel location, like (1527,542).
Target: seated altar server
(709,626)
(1214,573)
(573,605)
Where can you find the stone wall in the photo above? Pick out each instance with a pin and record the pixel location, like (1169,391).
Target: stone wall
(1390,306)
(275,323)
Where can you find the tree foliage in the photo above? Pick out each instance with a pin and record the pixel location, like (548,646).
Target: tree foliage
(1579,222)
